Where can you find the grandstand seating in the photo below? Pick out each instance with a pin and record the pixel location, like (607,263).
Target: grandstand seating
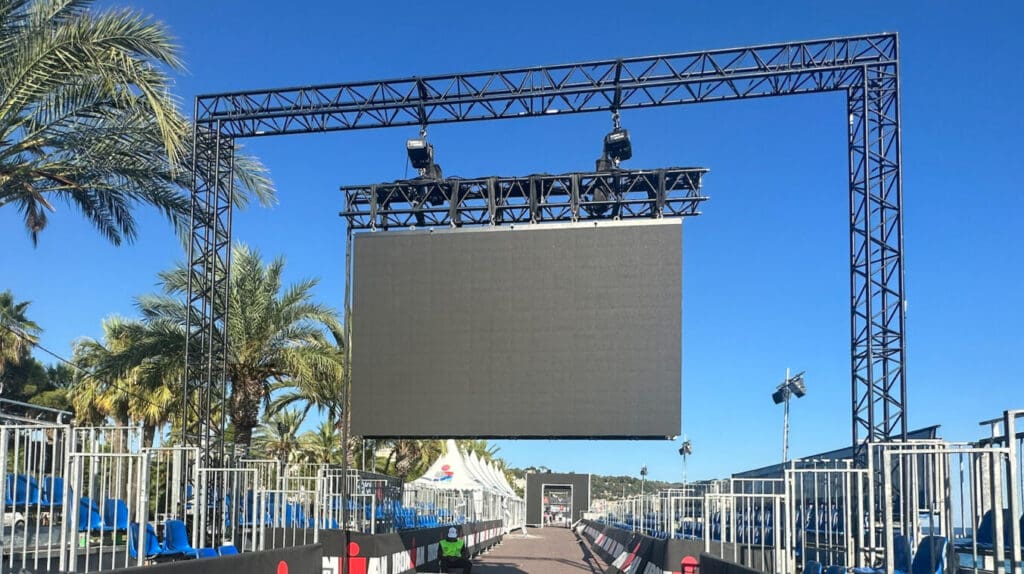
(901,559)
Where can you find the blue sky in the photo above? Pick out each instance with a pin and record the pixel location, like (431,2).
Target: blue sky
(765,267)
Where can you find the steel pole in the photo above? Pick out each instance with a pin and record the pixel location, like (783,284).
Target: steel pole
(785,421)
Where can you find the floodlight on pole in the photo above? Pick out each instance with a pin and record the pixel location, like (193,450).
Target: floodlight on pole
(643,479)
(686,449)
(791,386)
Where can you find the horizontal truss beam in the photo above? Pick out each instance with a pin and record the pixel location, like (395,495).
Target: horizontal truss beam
(605,85)
(620,194)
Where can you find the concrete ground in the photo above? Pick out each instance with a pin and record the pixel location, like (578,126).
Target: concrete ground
(549,550)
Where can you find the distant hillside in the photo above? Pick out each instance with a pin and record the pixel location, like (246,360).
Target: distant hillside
(614,486)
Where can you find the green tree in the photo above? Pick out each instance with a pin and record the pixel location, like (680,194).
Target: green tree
(60,380)
(278,438)
(486,452)
(87,119)
(276,333)
(17,333)
(410,458)
(323,445)
(323,393)
(129,377)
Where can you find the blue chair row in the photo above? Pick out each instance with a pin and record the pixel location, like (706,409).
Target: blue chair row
(986,535)
(110,516)
(24,490)
(175,545)
(929,558)
(813,567)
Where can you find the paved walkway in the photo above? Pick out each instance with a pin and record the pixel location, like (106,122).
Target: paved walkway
(543,551)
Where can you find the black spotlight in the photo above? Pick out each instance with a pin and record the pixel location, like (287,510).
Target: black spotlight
(779,395)
(796,384)
(421,153)
(617,146)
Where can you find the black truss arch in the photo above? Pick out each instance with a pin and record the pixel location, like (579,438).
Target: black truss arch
(865,67)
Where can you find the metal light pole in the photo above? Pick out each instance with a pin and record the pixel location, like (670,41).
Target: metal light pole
(684,450)
(785,424)
(643,516)
(789,387)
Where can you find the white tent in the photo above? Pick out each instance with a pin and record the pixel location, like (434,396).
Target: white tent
(451,471)
(479,488)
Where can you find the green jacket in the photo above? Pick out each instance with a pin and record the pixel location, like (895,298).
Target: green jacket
(452,548)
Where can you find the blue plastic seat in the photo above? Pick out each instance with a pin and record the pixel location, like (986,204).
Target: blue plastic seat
(835,569)
(176,539)
(89,517)
(901,558)
(986,537)
(298,514)
(251,510)
(53,492)
(115,514)
(227,550)
(812,567)
(207,553)
(930,556)
(26,490)
(151,545)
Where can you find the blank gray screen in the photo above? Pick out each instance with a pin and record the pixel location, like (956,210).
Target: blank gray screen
(554,331)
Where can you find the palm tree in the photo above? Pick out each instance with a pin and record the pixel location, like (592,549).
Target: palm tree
(276,333)
(17,333)
(87,119)
(411,458)
(325,394)
(279,438)
(486,452)
(127,379)
(322,446)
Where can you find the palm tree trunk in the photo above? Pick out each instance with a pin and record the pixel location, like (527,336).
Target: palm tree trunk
(245,403)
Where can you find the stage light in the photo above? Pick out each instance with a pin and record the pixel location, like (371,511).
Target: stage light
(421,153)
(797,386)
(617,146)
(779,396)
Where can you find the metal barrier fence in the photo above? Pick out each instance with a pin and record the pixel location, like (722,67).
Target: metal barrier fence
(95,499)
(742,528)
(920,505)
(957,504)
(78,499)
(829,511)
(32,495)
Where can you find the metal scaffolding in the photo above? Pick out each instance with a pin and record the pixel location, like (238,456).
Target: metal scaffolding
(865,67)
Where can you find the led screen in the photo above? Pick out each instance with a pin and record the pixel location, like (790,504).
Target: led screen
(560,331)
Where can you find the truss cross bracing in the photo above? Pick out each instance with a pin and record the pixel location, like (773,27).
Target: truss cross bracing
(865,68)
(619,194)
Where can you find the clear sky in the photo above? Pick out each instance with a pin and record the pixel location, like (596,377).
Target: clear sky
(766,282)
